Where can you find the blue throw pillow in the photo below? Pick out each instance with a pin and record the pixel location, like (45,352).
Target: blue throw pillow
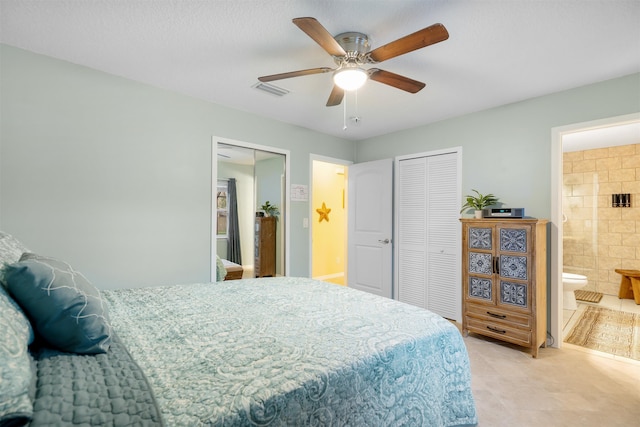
(64,308)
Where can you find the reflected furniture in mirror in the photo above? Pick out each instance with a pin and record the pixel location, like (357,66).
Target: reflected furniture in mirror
(265,246)
(260,176)
(234,271)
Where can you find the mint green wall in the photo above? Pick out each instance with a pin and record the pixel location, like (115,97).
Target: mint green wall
(507,150)
(114,176)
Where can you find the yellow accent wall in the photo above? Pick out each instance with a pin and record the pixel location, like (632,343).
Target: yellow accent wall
(328,238)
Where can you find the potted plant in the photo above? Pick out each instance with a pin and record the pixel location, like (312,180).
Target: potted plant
(270,210)
(478,202)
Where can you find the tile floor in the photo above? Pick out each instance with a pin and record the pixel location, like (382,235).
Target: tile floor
(612,302)
(607,301)
(571,386)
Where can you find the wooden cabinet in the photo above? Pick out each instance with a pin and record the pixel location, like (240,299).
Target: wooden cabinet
(504,280)
(265,246)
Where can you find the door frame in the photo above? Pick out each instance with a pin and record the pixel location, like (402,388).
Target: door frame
(284,211)
(556,300)
(346,163)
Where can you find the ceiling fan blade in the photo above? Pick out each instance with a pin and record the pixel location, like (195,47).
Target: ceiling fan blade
(290,74)
(320,35)
(336,96)
(425,37)
(395,80)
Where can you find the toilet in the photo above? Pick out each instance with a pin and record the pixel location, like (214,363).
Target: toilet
(570,283)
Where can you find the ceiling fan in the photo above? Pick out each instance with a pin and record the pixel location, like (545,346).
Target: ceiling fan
(350,51)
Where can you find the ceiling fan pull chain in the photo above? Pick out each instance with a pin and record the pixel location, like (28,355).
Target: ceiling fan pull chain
(356,116)
(344,114)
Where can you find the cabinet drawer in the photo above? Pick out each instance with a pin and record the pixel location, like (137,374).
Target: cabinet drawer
(492,314)
(499,331)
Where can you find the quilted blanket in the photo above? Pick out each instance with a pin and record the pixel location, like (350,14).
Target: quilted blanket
(291,351)
(92,390)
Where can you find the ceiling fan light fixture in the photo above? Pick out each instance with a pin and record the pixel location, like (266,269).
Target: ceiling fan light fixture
(350,78)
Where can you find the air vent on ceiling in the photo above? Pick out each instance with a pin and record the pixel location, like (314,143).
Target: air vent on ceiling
(269,88)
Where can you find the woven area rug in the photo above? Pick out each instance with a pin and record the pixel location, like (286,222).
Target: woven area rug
(609,331)
(588,296)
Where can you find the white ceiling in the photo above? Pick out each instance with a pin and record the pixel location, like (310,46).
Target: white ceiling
(608,136)
(498,52)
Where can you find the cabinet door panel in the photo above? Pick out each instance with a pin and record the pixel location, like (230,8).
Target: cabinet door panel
(480,288)
(480,263)
(514,239)
(480,238)
(514,295)
(514,267)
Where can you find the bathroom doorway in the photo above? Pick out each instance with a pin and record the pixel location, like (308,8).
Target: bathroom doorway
(328,219)
(593,162)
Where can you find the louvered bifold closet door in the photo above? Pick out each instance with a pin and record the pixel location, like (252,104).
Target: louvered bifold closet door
(444,295)
(412,226)
(428,234)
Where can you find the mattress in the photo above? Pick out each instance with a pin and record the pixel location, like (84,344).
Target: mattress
(292,351)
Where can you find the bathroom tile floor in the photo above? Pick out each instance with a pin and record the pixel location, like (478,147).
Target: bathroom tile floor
(612,302)
(615,303)
(608,301)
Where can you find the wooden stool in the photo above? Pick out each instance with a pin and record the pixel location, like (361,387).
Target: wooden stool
(629,284)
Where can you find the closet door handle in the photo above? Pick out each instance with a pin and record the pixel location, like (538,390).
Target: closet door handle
(496,265)
(385,241)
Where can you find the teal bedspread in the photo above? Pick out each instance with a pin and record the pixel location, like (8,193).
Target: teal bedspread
(293,351)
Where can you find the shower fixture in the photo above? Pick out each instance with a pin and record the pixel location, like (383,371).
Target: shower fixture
(621,200)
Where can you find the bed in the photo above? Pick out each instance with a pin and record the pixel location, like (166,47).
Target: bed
(234,270)
(268,352)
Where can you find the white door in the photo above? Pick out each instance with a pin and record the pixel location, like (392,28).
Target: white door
(370,227)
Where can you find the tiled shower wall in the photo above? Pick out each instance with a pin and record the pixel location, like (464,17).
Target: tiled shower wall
(598,238)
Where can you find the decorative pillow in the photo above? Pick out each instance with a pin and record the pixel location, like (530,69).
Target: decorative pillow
(65,309)
(221,271)
(16,374)
(10,248)
(10,251)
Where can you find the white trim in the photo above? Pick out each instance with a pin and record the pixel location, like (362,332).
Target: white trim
(328,276)
(285,211)
(557,133)
(457,150)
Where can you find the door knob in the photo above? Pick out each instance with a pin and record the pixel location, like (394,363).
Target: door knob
(385,241)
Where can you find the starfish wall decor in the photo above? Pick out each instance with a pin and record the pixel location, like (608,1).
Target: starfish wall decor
(324,212)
